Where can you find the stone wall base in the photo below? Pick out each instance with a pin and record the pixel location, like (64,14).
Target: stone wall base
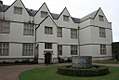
(101,58)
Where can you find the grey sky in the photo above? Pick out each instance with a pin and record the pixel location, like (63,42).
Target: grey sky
(79,9)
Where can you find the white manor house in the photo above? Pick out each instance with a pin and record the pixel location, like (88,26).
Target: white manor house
(28,34)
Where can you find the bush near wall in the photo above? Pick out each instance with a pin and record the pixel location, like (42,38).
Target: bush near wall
(94,71)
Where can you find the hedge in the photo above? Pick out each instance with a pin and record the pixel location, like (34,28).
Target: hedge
(94,71)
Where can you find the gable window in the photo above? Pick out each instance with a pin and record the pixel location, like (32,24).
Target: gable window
(4,49)
(44,14)
(48,45)
(74,50)
(103,49)
(27,49)
(101,18)
(59,49)
(48,30)
(59,32)
(65,18)
(17,10)
(4,27)
(74,33)
(28,29)
(102,32)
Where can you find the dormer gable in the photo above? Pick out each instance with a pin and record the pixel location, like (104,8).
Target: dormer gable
(43,10)
(49,19)
(42,13)
(100,16)
(18,8)
(65,16)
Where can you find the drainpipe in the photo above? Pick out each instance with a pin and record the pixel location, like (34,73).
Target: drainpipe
(36,54)
(78,41)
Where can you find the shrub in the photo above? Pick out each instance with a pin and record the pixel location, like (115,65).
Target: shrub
(96,71)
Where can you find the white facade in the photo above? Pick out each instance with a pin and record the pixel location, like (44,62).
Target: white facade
(86,43)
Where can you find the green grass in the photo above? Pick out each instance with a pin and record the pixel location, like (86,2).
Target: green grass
(108,62)
(49,73)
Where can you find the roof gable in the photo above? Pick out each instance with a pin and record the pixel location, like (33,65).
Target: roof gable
(43,8)
(65,12)
(100,12)
(18,3)
(50,18)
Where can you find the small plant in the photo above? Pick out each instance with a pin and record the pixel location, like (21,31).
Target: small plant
(94,71)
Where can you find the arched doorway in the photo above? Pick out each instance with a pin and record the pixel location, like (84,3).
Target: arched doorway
(48,58)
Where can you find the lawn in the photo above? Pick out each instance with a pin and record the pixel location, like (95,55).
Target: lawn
(49,73)
(108,62)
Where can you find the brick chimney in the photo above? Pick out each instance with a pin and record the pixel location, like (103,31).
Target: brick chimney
(1,2)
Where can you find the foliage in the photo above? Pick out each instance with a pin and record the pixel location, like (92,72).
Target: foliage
(94,71)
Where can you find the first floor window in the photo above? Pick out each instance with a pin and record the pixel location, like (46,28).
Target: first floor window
(27,49)
(28,29)
(48,30)
(4,27)
(59,49)
(74,33)
(74,50)
(4,49)
(103,49)
(48,45)
(59,32)
(102,32)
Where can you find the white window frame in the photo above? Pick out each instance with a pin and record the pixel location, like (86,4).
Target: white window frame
(74,50)
(18,10)
(74,33)
(48,30)
(4,27)
(4,49)
(66,18)
(28,49)
(59,32)
(102,49)
(44,14)
(28,29)
(102,32)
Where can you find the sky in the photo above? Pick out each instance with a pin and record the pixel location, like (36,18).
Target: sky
(79,9)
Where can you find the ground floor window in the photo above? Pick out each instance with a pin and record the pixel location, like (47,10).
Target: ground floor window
(103,49)
(27,49)
(74,50)
(4,49)
(59,49)
(48,45)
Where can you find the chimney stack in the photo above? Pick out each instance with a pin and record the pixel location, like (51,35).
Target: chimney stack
(1,2)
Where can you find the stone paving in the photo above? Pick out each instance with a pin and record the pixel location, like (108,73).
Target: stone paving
(12,72)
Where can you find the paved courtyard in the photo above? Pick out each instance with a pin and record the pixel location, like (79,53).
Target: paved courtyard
(12,72)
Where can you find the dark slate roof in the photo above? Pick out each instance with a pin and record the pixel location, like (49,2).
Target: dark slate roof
(3,8)
(91,15)
(55,16)
(76,20)
(32,12)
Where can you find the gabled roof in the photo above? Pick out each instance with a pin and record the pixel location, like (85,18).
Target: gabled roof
(44,20)
(32,12)
(91,15)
